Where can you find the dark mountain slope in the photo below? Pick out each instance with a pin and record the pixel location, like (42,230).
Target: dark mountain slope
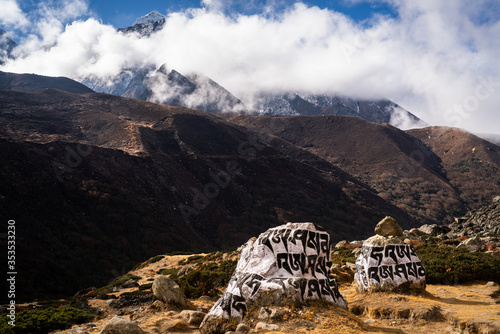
(400,167)
(33,82)
(102,182)
(472,163)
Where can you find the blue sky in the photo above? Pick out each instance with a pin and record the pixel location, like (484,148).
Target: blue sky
(123,13)
(436,58)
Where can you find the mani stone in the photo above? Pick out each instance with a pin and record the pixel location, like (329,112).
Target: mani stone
(388,264)
(388,227)
(285,265)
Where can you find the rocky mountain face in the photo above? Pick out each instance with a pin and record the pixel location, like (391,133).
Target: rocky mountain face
(99,182)
(146,25)
(6,46)
(168,87)
(200,92)
(434,173)
(379,111)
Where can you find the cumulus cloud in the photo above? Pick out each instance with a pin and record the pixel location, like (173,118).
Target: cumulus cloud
(436,58)
(11,14)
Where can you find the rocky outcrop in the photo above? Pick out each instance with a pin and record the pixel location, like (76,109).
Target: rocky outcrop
(285,265)
(166,290)
(386,263)
(478,223)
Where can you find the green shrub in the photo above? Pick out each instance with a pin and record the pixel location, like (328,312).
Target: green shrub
(44,321)
(343,255)
(172,272)
(448,265)
(145,286)
(207,282)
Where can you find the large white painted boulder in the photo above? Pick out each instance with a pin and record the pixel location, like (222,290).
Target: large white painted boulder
(285,265)
(386,263)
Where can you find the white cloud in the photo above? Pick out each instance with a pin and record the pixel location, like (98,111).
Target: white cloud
(11,14)
(431,59)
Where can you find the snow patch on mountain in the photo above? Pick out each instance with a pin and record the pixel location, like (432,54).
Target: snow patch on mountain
(152,17)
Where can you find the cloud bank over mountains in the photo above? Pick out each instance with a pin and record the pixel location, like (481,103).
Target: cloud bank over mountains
(436,58)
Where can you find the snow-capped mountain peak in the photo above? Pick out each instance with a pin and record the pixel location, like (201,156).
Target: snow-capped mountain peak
(152,17)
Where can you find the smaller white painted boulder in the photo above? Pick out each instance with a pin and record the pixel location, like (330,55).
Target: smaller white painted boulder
(388,264)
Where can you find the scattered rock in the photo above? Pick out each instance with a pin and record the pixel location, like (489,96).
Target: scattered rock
(168,291)
(277,315)
(243,328)
(193,317)
(130,284)
(433,229)
(481,222)
(263,314)
(186,270)
(388,227)
(205,298)
(267,327)
(288,264)
(121,325)
(131,300)
(472,244)
(341,244)
(177,326)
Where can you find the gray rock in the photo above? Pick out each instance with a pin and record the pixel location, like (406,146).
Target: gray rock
(194,318)
(267,327)
(277,315)
(243,328)
(341,243)
(168,291)
(388,227)
(130,284)
(472,244)
(121,325)
(205,298)
(263,314)
(434,229)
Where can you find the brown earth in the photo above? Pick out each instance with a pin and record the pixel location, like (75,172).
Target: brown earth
(435,173)
(441,309)
(98,183)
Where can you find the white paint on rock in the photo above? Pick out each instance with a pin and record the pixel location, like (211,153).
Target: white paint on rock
(288,263)
(387,267)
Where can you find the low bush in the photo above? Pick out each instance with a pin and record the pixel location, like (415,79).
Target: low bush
(207,280)
(448,265)
(44,321)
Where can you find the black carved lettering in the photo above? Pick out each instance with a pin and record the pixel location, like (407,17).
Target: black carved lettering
(311,264)
(400,269)
(282,260)
(404,251)
(313,288)
(390,252)
(377,254)
(373,273)
(387,272)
